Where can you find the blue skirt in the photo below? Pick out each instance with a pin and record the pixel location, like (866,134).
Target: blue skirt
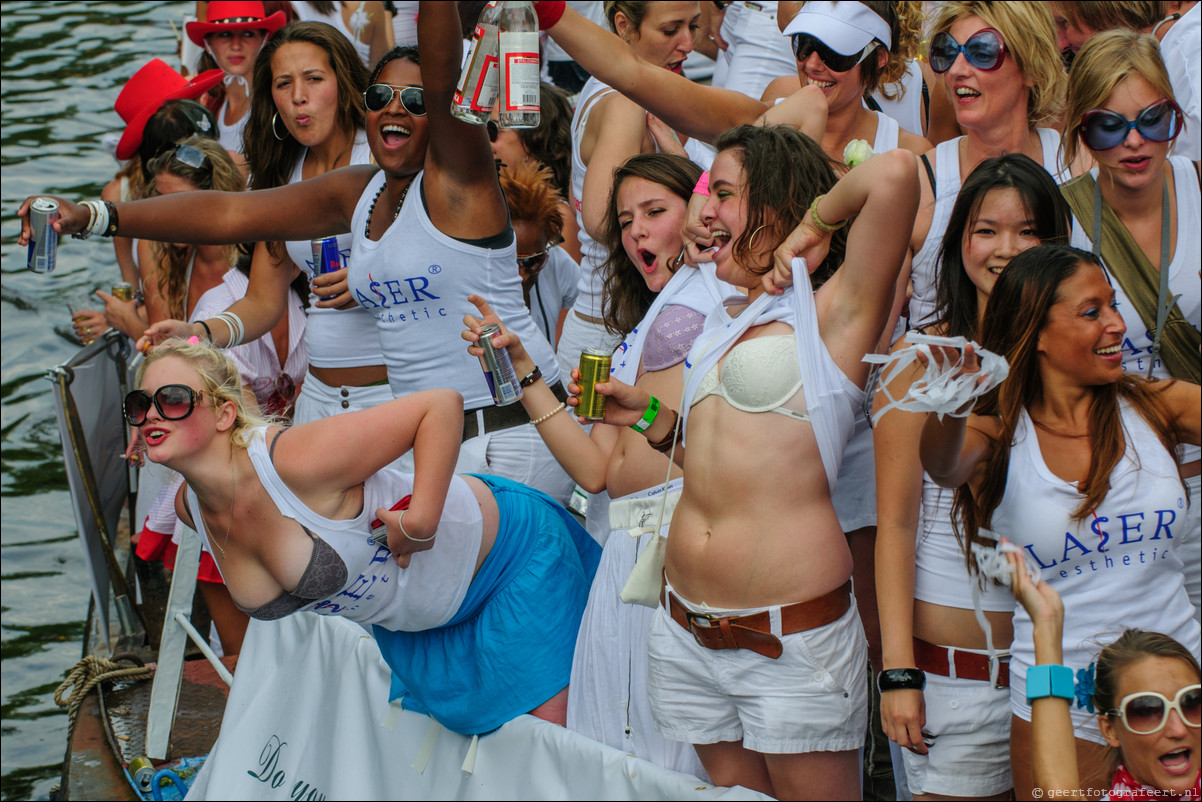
(509,647)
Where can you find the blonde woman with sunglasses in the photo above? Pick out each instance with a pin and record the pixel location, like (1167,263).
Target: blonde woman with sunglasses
(1140,210)
(1147,696)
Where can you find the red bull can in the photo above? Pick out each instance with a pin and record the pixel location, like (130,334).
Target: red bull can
(326,258)
(43,239)
(503,383)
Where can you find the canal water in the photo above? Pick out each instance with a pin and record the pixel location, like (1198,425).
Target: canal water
(62,67)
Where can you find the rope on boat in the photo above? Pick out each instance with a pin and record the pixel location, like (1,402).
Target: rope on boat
(87,674)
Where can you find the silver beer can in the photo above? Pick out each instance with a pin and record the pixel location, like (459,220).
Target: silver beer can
(43,239)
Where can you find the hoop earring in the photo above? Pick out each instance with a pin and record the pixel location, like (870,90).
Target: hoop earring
(274,133)
(751,239)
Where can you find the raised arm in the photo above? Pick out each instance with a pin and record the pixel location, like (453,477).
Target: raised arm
(1053,747)
(1183,401)
(690,108)
(853,306)
(461,189)
(617,130)
(324,461)
(318,207)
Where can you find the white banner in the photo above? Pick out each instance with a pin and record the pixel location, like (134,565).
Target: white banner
(307,716)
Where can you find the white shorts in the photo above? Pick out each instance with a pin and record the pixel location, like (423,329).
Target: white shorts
(319,400)
(970,724)
(813,698)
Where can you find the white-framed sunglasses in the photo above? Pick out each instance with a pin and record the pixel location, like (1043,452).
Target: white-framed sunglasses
(1147,712)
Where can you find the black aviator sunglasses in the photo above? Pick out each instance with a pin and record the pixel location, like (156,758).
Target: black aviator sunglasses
(379,96)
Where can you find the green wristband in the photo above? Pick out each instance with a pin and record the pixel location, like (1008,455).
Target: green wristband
(648,416)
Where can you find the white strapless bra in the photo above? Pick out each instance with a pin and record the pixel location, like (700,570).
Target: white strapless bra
(759,375)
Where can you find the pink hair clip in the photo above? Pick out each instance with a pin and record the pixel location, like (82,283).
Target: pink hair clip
(193,340)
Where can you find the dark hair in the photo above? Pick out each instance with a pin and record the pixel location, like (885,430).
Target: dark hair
(784,171)
(626,298)
(271,161)
(1103,15)
(176,120)
(403,52)
(551,142)
(1015,316)
(956,297)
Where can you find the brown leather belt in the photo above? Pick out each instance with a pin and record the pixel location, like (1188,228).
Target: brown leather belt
(596,321)
(754,631)
(497,418)
(935,660)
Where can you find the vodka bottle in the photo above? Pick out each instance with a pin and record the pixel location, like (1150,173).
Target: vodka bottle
(519,65)
(477,88)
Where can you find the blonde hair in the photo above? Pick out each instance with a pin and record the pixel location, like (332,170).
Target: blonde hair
(1029,31)
(1102,64)
(218,172)
(219,379)
(1104,15)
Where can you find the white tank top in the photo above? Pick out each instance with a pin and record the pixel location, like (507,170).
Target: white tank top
(415,281)
(425,595)
(592,255)
(907,109)
(941,574)
(887,130)
(230,136)
(336,338)
(1114,570)
(924,269)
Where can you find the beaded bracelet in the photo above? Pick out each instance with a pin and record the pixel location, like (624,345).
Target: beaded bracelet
(562,406)
(821,224)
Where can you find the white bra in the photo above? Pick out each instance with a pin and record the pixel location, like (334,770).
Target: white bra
(759,375)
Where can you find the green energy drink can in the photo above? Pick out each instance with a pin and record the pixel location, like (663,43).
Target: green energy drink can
(123,291)
(594,367)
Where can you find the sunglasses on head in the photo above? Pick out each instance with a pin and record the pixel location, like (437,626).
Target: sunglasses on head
(173,401)
(804,44)
(985,50)
(1103,129)
(1147,712)
(379,96)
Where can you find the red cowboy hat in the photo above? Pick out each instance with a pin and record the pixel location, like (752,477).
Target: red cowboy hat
(234,15)
(147,90)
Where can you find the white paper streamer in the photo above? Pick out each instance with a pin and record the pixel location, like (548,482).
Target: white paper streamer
(939,389)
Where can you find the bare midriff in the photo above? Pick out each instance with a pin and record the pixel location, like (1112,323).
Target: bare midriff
(360,376)
(755,525)
(954,626)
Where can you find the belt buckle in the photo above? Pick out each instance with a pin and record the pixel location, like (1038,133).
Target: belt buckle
(693,617)
(1003,664)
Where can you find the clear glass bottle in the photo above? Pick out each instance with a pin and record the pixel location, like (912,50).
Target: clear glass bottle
(519,100)
(476,91)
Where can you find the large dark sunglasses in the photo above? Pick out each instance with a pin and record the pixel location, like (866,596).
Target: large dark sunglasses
(493,129)
(379,96)
(1103,129)
(173,401)
(1147,712)
(804,44)
(985,50)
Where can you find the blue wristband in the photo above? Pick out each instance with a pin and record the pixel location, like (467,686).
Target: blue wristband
(1049,680)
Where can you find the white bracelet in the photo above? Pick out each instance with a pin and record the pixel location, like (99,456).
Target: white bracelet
(90,228)
(99,222)
(234,324)
(401,523)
